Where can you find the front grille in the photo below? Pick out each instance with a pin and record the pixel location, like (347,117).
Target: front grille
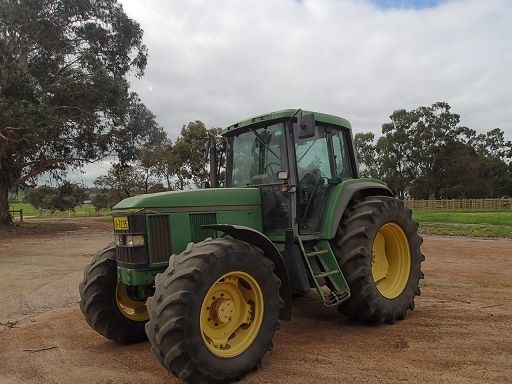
(199,219)
(131,257)
(160,238)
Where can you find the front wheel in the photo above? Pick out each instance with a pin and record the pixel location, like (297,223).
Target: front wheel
(378,249)
(113,309)
(215,311)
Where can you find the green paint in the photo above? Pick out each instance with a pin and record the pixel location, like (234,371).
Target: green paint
(250,219)
(331,272)
(329,262)
(333,202)
(180,231)
(286,114)
(189,200)
(138,276)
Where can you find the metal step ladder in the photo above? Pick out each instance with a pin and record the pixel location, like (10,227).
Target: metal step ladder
(331,272)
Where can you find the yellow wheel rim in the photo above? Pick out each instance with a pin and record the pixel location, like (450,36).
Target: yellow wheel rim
(132,309)
(391,260)
(231,314)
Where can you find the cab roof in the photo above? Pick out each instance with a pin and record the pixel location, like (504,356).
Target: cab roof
(286,113)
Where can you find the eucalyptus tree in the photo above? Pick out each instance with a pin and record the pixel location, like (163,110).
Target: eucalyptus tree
(64,93)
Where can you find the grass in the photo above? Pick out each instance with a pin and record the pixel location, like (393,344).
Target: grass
(83,210)
(465,223)
(465,217)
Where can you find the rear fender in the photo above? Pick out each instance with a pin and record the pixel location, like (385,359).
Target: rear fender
(341,196)
(259,240)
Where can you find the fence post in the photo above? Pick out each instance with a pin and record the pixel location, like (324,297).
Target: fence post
(21,215)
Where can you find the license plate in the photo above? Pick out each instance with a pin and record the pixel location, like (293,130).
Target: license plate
(121,223)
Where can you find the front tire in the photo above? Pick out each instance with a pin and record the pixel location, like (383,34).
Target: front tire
(108,305)
(215,311)
(378,250)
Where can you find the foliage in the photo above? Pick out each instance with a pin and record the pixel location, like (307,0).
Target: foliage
(122,181)
(64,97)
(42,197)
(64,198)
(366,154)
(424,153)
(189,152)
(185,159)
(152,163)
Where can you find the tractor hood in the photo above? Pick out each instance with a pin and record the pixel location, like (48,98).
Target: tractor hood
(184,200)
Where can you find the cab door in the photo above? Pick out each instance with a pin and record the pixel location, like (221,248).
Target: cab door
(322,162)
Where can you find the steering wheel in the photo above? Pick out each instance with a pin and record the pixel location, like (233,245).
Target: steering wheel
(269,170)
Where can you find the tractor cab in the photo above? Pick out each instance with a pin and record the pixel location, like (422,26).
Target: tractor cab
(296,159)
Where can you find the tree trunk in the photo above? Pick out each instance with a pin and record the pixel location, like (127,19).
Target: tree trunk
(5,215)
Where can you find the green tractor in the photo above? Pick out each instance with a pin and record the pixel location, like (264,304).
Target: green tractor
(207,274)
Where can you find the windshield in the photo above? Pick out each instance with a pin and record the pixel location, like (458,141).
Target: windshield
(256,156)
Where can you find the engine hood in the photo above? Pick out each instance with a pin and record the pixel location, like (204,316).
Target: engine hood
(210,197)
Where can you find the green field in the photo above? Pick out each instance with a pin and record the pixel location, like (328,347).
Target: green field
(465,223)
(83,210)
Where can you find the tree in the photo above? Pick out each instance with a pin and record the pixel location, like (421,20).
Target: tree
(220,151)
(410,148)
(394,151)
(167,165)
(64,98)
(152,162)
(42,197)
(425,153)
(70,196)
(122,181)
(366,154)
(66,197)
(189,152)
(101,200)
(493,144)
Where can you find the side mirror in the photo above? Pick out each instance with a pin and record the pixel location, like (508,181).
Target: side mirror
(306,126)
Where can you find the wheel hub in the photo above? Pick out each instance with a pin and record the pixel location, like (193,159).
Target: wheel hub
(222,310)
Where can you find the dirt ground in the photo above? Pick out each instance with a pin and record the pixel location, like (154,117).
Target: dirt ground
(460,332)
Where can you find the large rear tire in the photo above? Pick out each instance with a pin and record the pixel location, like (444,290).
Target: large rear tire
(378,249)
(215,311)
(109,306)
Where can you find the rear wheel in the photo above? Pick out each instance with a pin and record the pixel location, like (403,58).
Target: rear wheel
(113,309)
(215,311)
(378,249)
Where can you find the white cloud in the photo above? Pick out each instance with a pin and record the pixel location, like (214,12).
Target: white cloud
(222,61)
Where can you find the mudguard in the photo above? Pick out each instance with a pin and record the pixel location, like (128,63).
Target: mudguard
(341,197)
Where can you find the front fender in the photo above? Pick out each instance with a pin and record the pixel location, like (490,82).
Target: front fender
(256,238)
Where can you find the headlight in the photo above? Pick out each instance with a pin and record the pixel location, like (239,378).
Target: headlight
(118,240)
(134,240)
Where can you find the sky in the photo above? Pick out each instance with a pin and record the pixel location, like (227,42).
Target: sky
(223,61)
